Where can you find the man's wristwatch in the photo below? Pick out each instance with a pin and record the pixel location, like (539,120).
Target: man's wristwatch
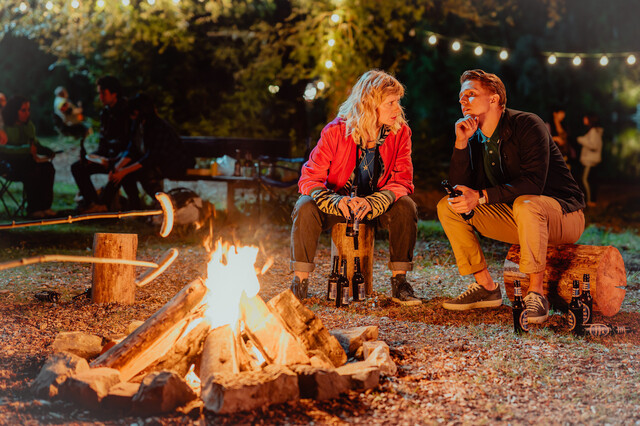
(483,197)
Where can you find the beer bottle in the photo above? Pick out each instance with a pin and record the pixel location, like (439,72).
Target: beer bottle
(353,224)
(576,311)
(587,300)
(343,283)
(332,286)
(453,193)
(237,167)
(357,282)
(520,321)
(598,330)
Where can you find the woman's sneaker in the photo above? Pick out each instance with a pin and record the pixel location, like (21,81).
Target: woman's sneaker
(537,307)
(476,296)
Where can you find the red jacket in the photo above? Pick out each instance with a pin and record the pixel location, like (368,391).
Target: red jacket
(333,160)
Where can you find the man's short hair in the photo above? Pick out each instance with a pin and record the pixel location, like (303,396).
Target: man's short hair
(489,81)
(110,83)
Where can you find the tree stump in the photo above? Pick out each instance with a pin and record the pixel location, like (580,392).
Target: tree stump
(343,246)
(568,262)
(113,282)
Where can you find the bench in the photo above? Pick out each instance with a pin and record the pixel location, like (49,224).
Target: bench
(269,154)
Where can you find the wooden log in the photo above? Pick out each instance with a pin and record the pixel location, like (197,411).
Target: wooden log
(343,246)
(568,262)
(307,328)
(219,354)
(114,282)
(140,348)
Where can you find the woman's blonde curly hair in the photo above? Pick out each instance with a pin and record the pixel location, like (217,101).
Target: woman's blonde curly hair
(360,109)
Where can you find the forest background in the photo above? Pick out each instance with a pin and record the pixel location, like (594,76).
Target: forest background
(280,68)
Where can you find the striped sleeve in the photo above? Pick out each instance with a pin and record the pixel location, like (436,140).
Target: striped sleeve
(327,201)
(380,202)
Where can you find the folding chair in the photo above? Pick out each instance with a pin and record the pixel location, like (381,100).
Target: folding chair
(7,196)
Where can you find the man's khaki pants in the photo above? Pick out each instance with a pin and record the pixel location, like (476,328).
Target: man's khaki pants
(532,222)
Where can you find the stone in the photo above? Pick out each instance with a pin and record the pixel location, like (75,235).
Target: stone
(161,392)
(120,396)
(56,369)
(82,344)
(230,393)
(320,360)
(88,388)
(352,338)
(320,383)
(361,375)
(377,353)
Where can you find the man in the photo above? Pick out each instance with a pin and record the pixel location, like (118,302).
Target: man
(155,152)
(115,127)
(512,175)
(368,147)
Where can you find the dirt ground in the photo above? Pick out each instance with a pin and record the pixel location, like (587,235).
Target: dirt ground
(454,368)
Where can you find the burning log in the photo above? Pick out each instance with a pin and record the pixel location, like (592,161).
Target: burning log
(307,328)
(219,354)
(113,282)
(142,347)
(269,334)
(569,262)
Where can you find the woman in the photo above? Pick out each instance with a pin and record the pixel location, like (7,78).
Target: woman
(591,154)
(366,150)
(30,162)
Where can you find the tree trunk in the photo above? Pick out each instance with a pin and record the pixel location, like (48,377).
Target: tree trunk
(343,246)
(568,262)
(113,282)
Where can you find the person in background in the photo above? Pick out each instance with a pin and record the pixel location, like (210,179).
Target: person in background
(29,161)
(154,153)
(559,133)
(591,154)
(3,135)
(368,147)
(512,175)
(70,115)
(115,128)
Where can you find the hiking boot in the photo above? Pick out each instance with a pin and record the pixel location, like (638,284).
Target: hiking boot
(299,288)
(401,291)
(475,296)
(537,307)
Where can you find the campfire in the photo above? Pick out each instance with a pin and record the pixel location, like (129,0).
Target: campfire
(217,345)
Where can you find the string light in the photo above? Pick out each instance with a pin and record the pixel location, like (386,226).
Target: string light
(273,89)
(125,2)
(331,42)
(100,4)
(335,18)
(320,85)
(328,64)
(23,7)
(49,5)
(75,4)
(151,2)
(576,58)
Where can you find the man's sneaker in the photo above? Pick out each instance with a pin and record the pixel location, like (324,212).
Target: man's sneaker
(299,288)
(537,307)
(476,296)
(401,291)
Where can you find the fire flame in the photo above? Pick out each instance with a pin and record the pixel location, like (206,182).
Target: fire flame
(230,272)
(192,379)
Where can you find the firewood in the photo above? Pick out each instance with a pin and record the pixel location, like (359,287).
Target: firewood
(142,347)
(219,354)
(569,262)
(343,246)
(113,282)
(307,328)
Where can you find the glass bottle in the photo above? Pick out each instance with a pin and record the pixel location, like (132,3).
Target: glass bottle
(332,285)
(520,320)
(357,282)
(576,311)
